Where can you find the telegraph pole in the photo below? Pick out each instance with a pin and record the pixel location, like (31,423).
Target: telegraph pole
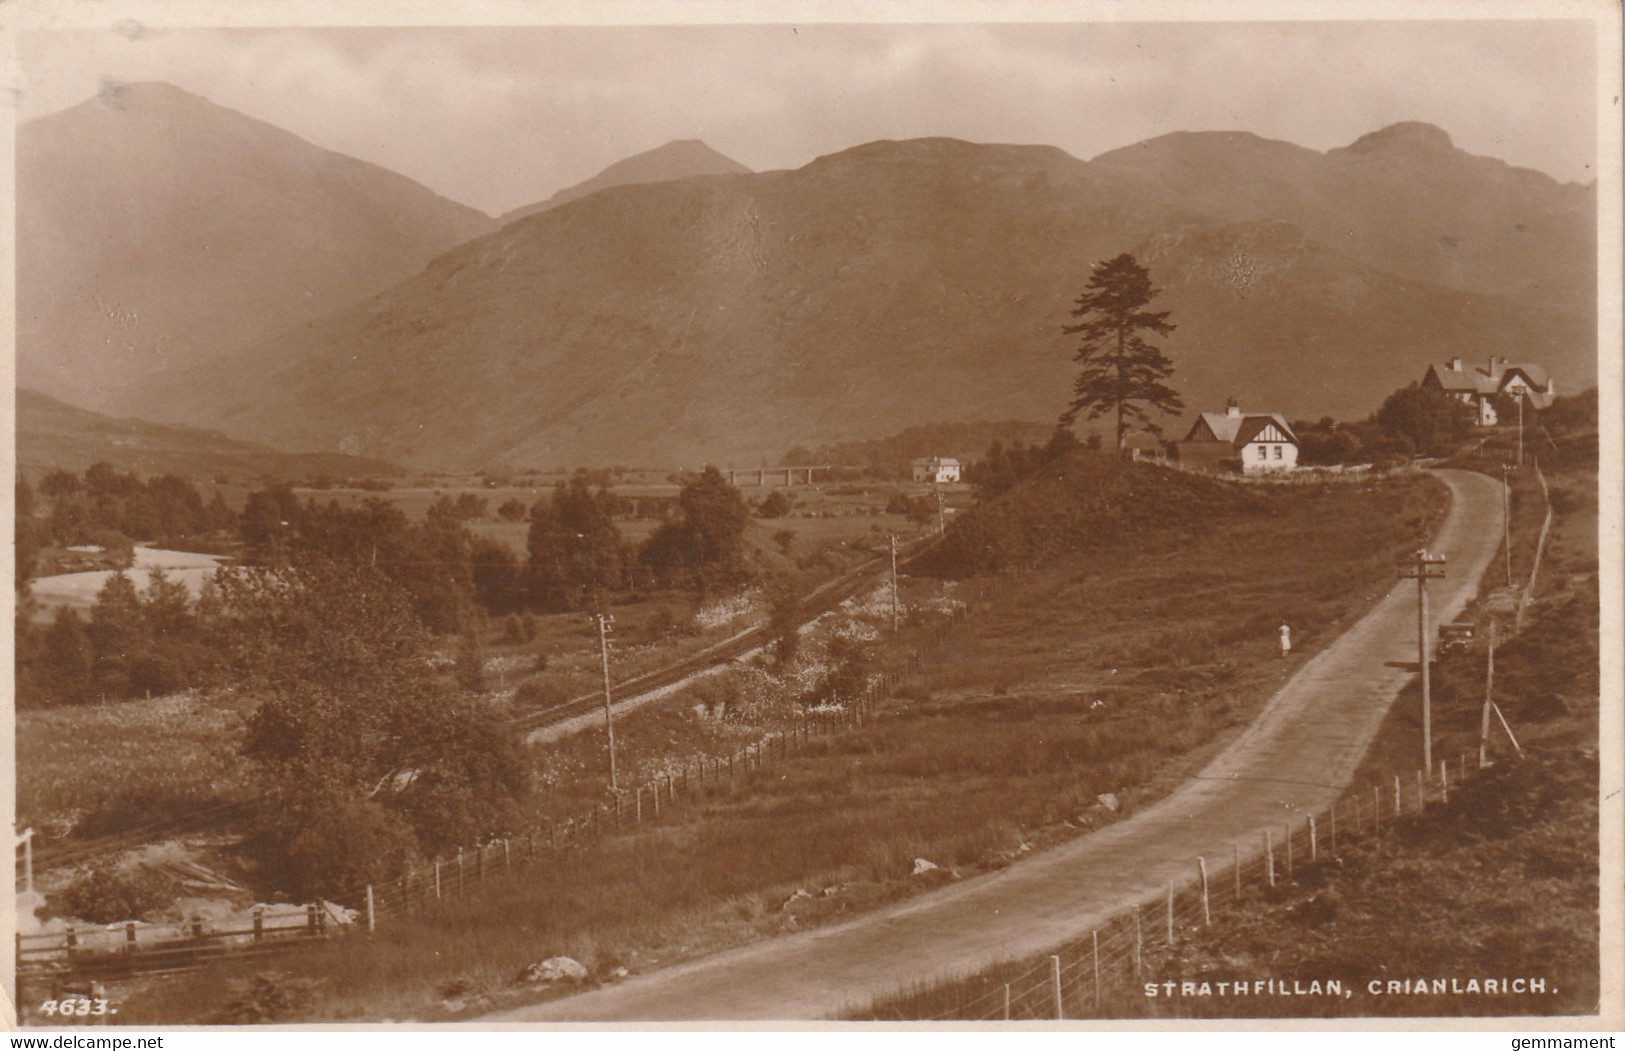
(942,524)
(1506,519)
(1489,701)
(609,714)
(1422,572)
(1520,428)
(894,583)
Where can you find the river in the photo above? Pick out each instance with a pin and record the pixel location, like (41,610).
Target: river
(79,590)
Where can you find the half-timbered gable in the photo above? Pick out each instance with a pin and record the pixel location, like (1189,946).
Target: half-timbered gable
(1233,440)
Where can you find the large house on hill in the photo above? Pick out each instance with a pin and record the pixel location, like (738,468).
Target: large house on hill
(1479,385)
(1249,442)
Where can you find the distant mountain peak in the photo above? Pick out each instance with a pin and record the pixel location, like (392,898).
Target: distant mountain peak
(677,159)
(1407,135)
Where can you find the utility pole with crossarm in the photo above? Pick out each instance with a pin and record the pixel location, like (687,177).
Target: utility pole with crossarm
(1423,571)
(609,711)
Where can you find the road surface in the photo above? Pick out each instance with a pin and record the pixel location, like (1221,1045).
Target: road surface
(1296,757)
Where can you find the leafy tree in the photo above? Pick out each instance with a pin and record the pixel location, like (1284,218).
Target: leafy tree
(709,533)
(574,546)
(1430,420)
(267,525)
(355,720)
(117,636)
(774,505)
(498,578)
(1121,373)
(65,668)
(30,536)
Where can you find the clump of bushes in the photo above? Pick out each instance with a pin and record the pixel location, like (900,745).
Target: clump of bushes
(113,895)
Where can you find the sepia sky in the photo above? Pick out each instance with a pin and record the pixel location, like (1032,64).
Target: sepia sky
(498,117)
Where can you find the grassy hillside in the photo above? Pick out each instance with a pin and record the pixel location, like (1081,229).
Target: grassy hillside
(1117,668)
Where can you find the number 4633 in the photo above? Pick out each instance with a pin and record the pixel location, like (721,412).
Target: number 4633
(76,1007)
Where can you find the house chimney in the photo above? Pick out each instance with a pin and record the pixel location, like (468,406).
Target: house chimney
(1455,364)
(1232,408)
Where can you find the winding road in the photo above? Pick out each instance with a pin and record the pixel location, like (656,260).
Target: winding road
(1296,757)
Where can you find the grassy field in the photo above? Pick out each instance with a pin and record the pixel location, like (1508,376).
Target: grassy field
(1114,670)
(99,768)
(1501,882)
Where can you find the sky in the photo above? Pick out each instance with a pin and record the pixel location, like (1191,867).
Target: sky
(502,116)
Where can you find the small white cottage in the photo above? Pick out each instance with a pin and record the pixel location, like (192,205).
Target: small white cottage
(1251,442)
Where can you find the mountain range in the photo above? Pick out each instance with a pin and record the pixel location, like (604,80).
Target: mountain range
(725,315)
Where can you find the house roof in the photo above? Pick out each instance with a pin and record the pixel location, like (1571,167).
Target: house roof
(936,461)
(1533,373)
(1239,430)
(1252,424)
(1490,378)
(1453,381)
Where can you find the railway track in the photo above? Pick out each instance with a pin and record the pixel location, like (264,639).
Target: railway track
(812,606)
(50,854)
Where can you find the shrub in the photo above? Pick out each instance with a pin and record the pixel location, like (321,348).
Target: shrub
(110,895)
(774,505)
(326,843)
(266,998)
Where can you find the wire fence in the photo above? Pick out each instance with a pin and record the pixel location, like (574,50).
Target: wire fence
(1081,978)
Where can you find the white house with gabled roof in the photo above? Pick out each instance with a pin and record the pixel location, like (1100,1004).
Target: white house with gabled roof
(1252,442)
(1478,386)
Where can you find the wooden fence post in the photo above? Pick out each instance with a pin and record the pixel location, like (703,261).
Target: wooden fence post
(1288,850)
(259,923)
(637,802)
(1398,801)
(1444,780)
(1421,792)
(1094,937)
(1139,944)
(1332,831)
(310,920)
(1235,866)
(437,877)
(1314,847)
(372,915)
(1207,913)
(1170,912)
(1269,856)
(1007,1001)
(1055,984)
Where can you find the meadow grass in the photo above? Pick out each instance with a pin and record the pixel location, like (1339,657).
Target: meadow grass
(1115,670)
(98,768)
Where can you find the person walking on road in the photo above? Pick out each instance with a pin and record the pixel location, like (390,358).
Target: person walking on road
(1286,640)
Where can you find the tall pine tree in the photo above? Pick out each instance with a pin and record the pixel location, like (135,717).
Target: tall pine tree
(1121,373)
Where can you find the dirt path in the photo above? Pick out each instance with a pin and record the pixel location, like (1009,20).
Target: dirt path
(1300,752)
